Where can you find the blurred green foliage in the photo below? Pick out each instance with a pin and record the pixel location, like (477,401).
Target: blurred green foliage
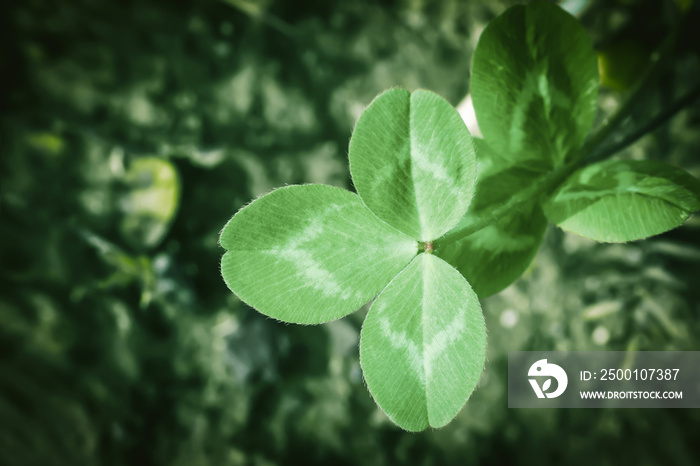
(131,131)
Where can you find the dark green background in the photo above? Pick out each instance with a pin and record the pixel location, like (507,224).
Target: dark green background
(119,342)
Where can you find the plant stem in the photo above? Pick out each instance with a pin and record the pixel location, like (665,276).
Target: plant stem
(552,179)
(637,93)
(649,126)
(547,182)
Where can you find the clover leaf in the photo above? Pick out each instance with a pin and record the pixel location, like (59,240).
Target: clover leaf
(313,253)
(423,344)
(534,84)
(624,200)
(413,163)
(310,254)
(534,88)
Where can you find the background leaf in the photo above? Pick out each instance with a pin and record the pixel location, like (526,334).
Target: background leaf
(310,254)
(151,203)
(624,200)
(534,83)
(423,345)
(496,256)
(413,162)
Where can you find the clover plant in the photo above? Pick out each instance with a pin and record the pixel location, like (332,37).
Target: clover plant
(425,237)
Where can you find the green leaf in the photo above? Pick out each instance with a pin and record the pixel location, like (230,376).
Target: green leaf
(310,254)
(624,200)
(151,203)
(534,83)
(413,163)
(496,256)
(423,345)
